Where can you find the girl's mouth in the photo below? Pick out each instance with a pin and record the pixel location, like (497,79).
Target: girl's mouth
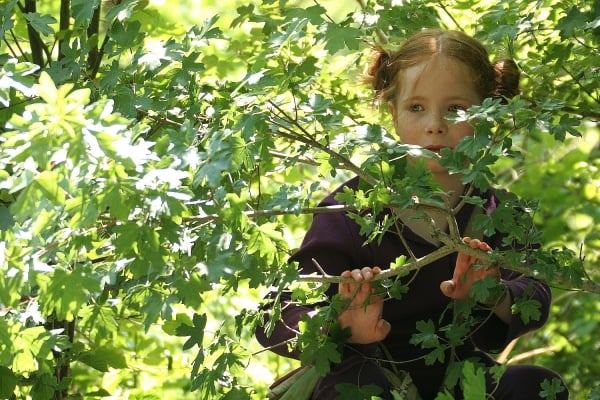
(435,149)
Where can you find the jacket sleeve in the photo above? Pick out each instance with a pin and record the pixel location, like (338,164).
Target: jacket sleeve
(332,242)
(285,329)
(494,334)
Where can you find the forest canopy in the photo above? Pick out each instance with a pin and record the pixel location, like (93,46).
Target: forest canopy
(160,161)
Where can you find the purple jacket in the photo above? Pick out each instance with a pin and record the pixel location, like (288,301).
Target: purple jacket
(334,241)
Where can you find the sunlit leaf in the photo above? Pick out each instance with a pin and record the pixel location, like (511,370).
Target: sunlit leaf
(103,358)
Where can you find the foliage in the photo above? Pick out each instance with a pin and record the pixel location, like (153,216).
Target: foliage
(155,179)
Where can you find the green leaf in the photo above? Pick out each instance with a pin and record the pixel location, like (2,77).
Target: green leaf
(100,318)
(317,348)
(170,327)
(528,309)
(473,381)
(313,13)
(154,303)
(551,388)
(399,261)
(437,355)
(497,371)
(207,30)
(6,17)
(295,30)
(47,183)
(190,287)
(328,353)
(8,382)
(104,357)
(6,219)
(398,289)
(64,293)
(126,34)
(121,11)
(444,396)
(262,240)
(350,391)
(115,199)
(426,336)
(34,345)
(457,332)
(341,37)
(243,12)
(82,10)
(574,20)
(567,124)
(44,387)
(483,289)
(594,394)
(195,331)
(41,23)
(18,76)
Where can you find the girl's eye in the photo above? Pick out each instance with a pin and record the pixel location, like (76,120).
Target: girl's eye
(415,107)
(455,108)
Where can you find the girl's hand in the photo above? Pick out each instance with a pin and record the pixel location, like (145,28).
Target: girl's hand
(363,315)
(466,272)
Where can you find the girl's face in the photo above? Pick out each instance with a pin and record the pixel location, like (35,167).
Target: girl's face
(430,91)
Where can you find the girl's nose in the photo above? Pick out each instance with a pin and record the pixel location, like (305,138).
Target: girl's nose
(437,123)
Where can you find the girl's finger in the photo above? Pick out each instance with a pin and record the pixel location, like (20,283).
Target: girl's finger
(345,289)
(366,273)
(462,264)
(357,275)
(474,243)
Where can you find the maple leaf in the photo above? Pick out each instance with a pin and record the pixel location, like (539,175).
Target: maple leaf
(195,332)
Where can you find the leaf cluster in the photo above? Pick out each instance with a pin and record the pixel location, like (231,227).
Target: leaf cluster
(150,175)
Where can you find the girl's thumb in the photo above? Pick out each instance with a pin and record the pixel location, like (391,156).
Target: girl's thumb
(383,328)
(447,287)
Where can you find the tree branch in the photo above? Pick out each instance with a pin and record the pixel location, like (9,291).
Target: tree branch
(385,274)
(65,18)
(202,219)
(309,140)
(93,29)
(35,42)
(451,245)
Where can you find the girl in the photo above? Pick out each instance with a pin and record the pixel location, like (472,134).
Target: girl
(435,73)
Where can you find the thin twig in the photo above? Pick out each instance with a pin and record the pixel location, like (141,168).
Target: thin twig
(308,138)
(383,38)
(445,9)
(271,213)
(11,50)
(403,240)
(318,266)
